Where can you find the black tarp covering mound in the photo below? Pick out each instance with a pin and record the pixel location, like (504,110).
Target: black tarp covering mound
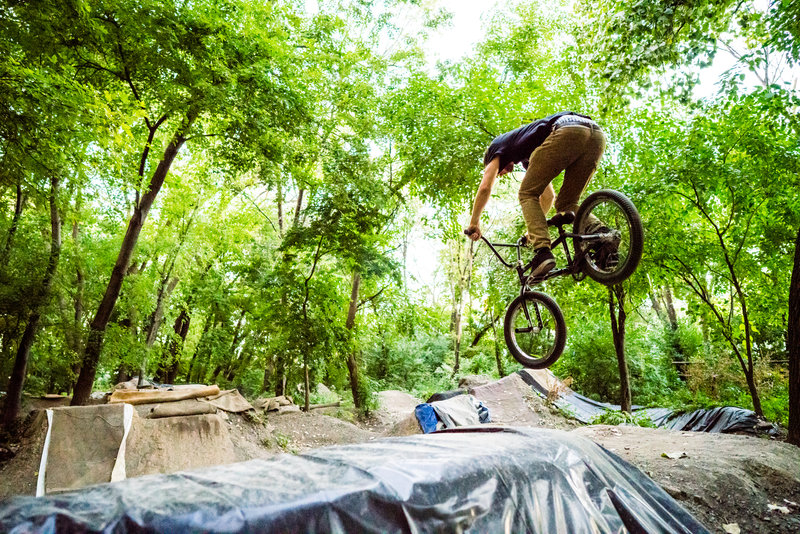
(724,419)
(468,480)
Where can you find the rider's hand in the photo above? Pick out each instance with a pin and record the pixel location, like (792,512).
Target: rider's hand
(473,232)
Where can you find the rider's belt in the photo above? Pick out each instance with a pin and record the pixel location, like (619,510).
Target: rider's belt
(575,120)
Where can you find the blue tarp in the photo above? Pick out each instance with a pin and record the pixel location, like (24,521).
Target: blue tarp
(426,417)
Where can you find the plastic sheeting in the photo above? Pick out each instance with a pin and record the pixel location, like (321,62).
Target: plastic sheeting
(468,480)
(722,419)
(426,416)
(454,409)
(725,419)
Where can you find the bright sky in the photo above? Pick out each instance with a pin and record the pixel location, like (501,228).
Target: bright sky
(464,32)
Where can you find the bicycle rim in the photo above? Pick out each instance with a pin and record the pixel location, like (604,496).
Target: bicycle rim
(536,339)
(616,212)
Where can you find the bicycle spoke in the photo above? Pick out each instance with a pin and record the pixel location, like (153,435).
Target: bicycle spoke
(535,332)
(612,230)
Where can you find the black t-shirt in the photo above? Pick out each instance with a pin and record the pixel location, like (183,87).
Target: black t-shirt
(517,145)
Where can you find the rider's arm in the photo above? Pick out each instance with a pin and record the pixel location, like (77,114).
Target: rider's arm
(482,197)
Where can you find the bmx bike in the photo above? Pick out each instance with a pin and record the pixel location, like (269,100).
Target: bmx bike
(607,239)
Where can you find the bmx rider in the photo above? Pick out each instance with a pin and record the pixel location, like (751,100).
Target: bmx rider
(565,141)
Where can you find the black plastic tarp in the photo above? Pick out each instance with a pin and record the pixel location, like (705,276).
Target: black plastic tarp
(468,480)
(724,419)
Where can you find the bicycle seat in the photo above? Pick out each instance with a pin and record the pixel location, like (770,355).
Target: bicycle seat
(560,219)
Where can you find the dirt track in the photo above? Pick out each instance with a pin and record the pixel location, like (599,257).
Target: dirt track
(725,481)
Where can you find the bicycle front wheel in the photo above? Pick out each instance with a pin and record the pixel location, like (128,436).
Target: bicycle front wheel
(535,330)
(614,258)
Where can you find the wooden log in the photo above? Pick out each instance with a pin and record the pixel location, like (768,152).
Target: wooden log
(176,409)
(329,405)
(159,395)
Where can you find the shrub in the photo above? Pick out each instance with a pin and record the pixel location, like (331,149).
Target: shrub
(617,417)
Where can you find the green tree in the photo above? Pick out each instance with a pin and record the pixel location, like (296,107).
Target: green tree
(187,73)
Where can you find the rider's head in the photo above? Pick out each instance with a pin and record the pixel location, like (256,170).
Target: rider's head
(508,168)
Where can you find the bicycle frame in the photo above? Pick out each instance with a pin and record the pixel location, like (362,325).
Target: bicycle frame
(573,264)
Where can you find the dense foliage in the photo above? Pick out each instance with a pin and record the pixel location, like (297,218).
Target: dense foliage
(268,196)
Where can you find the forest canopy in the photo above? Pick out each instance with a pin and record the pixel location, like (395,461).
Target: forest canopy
(270,195)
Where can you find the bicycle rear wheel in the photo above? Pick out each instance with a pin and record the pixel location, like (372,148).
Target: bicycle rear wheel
(613,259)
(535,330)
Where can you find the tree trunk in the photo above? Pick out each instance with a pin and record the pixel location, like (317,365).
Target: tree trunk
(464,278)
(305,319)
(280,375)
(793,340)
(680,365)
(618,330)
(181,329)
(12,229)
(498,354)
(673,317)
(154,323)
(268,372)
(235,362)
(307,387)
(94,344)
(280,209)
(352,362)
(79,278)
(19,372)
(168,283)
(298,208)
(206,328)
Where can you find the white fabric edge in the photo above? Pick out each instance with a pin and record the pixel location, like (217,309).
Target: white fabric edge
(119,473)
(43,462)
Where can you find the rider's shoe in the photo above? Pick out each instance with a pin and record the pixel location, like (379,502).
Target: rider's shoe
(542,263)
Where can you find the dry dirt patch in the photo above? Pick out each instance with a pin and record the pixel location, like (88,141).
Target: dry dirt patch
(299,431)
(393,407)
(722,479)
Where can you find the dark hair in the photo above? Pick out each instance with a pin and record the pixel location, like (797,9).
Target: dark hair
(509,167)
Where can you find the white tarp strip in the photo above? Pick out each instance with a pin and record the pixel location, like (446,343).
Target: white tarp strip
(43,463)
(118,473)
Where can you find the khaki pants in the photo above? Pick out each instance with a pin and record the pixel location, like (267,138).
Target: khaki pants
(571,148)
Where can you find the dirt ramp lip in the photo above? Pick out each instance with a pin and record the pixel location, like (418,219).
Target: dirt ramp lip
(515,479)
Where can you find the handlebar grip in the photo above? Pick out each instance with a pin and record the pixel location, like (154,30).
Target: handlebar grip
(467,231)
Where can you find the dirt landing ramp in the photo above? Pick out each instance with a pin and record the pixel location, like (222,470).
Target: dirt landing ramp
(511,401)
(89,445)
(175,444)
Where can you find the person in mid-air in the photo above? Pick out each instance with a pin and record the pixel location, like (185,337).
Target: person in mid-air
(566,141)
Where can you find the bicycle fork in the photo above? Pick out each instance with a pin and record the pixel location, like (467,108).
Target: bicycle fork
(532,328)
